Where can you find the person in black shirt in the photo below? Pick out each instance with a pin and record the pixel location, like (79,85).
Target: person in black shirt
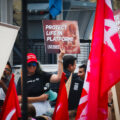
(69,64)
(38,83)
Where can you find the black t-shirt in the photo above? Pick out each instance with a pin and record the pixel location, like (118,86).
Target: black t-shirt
(75,90)
(37,84)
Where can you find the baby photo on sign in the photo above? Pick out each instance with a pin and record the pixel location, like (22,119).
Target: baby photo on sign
(61,33)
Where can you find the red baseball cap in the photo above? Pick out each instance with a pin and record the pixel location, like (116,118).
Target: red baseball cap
(31,57)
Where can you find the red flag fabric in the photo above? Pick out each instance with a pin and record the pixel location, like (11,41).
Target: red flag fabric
(103,67)
(11,109)
(61,108)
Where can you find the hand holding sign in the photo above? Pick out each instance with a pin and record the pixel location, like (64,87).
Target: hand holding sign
(62,52)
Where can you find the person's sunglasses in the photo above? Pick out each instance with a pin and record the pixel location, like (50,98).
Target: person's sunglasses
(32,64)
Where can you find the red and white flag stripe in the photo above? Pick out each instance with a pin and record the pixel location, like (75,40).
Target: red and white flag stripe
(103,66)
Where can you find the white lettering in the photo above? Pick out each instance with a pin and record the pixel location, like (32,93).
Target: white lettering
(59,32)
(51,33)
(56,27)
(64,39)
(108,34)
(53,47)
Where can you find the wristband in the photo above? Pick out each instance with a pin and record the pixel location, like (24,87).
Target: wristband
(60,61)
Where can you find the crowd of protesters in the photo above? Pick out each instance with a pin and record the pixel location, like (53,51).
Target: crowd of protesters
(38,85)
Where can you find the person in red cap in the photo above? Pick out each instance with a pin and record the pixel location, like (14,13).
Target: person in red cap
(38,83)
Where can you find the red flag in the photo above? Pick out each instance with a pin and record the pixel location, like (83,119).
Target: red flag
(11,109)
(103,67)
(61,108)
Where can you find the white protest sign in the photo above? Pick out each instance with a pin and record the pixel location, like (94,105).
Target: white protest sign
(8,35)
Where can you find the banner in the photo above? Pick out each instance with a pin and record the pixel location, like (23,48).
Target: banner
(103,69)
(11,109)
(61,33)
(8,35)
(61,107)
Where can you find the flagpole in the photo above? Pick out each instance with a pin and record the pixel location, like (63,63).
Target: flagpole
(24,59)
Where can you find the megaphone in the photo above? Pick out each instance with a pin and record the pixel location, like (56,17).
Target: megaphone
(52,95)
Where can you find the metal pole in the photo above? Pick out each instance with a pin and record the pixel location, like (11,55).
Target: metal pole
(24,59)
(52,56)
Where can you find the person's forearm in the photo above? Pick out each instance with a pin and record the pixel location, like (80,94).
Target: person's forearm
(60,62)
(54,77)
(60,67)
(40,98)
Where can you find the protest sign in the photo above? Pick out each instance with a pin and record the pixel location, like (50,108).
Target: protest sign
(61,33)
(8,35)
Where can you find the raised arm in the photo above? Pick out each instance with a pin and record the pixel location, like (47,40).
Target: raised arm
(57,77)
